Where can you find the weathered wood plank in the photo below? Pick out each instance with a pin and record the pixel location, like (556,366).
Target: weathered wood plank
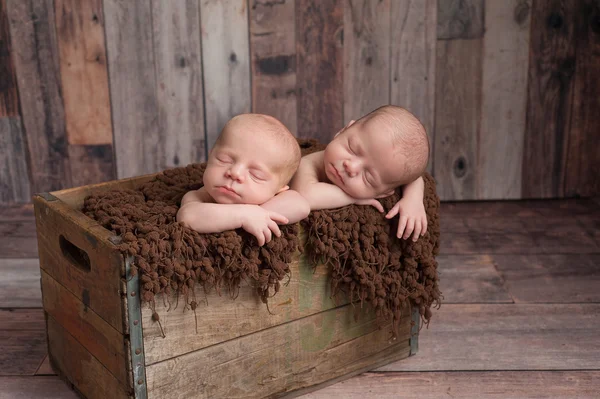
(460,19)
(550,97)
(20,283)
(176,36)
(94,279)
(13,213)
(14,179)
(18,240)
(9,97)
(91,164)
(504,99)
(22,320)
(273,55)
(35,388)
(35,51)
(540,209)
(226,62)
(319,76)
(224,318)
(134,107)
(283,359)
(457,118)
(471,279)
(551,278)
(95,335)
(467,385)
(79,366)
(413,39)
(22,341)
(508,337)
(45,368)
(366,56)
(84,78)
(583,157)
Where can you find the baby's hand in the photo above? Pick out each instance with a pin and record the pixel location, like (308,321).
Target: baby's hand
(413,219)
(262,223)
(372,202)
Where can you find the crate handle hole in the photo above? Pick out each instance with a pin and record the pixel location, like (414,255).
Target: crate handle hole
(74,254)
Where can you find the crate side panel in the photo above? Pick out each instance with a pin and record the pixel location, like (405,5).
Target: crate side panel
(279,360)
(100,339)
(98,287)
(80,367)
(219,318)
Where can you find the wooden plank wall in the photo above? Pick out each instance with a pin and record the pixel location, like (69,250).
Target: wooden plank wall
(507,90)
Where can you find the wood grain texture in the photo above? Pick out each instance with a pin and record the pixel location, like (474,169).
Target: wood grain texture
(467,385)
(583,156)
(550,97)
(35,388)
(220,318)
(457,118)
(9,97)
(282,359)
(504,99)
(134,107)
(460,19)
(471,279)
(79,366)
(366,56)
(62,234)
(551,278)
(15,213)
(178,57)
(14,179)
(226,63)
(35,52)
(91,164)
(100,339)
(413,44)
(83,70)
(508,337)
(22,341)
(273,55)
(18,240)
(319,76)
(20,283)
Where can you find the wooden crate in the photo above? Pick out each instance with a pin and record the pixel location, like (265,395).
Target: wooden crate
(104,342)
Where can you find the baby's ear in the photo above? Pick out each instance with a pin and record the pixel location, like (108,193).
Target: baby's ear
(282,189)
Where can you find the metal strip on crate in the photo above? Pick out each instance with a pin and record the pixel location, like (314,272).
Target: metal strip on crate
(414,330)
(135,331)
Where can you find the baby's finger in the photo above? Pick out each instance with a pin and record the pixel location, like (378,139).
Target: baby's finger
(424,230)
(377,205)
(274,228)
(401,226)
(278,217)
(267,234)
(410,226)
(417,232)
(393,211)
(260,237)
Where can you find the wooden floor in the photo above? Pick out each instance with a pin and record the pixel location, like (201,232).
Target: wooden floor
(520,318)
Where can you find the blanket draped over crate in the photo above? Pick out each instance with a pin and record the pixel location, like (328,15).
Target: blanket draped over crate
(367,262)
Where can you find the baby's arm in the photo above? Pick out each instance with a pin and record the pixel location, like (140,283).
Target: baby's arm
(199,213)
(289,204)
(322,195)
(413,219)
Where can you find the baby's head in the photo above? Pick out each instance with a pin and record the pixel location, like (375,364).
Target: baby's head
(254,159)
(383,150)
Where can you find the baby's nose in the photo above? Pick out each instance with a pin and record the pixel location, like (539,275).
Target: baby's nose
(235,173)
(351,168)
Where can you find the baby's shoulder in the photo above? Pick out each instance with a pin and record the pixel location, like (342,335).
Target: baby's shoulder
(200,195)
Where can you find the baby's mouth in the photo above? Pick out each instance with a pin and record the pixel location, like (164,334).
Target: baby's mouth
(228,190)
(338,175)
